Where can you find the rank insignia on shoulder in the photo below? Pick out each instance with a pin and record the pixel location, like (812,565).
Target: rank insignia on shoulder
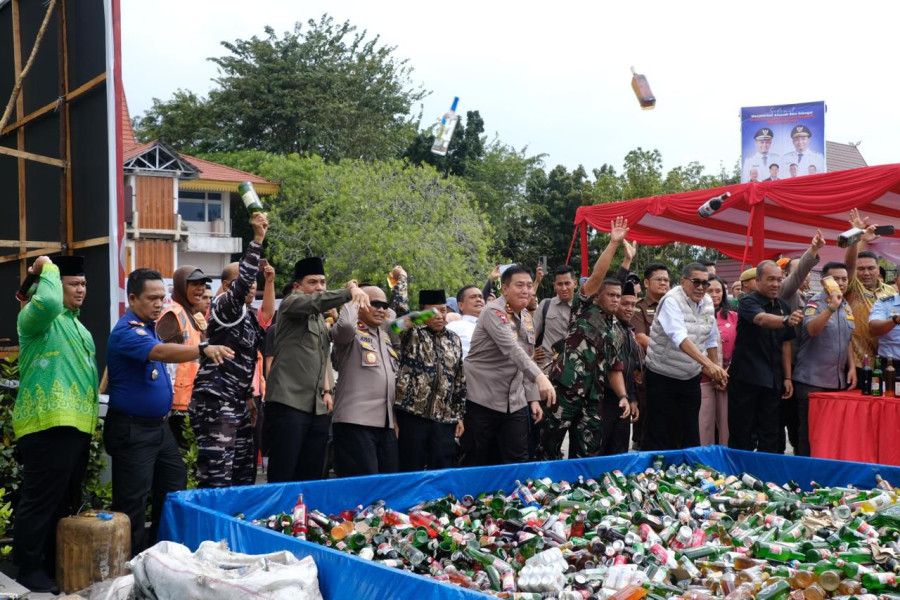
(135,323)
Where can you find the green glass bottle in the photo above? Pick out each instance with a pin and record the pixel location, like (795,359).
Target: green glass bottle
(779,552)
(776,591)
(877,378)
(250,197)
(879,581)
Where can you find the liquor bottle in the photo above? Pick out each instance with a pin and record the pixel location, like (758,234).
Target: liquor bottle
(890,378)
(299,517)
(250,197)
(866,383)
(850,237)
(879,581)
(712,205)
(775,591)
(414,318)
(413,555)
(642,90)
(445,131)
(877,377)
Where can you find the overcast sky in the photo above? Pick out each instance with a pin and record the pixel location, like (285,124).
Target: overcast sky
(555,76)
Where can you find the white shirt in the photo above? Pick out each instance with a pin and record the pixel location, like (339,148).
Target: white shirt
(671,319)
(464,328)
(761,164)
(810,157)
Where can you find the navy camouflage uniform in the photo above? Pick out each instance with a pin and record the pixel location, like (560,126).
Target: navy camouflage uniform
(594,344)
(219,414)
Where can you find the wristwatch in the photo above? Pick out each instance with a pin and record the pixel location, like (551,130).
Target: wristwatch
(323,392)
(894,319)
(623,396)
(202,348)
(786,319)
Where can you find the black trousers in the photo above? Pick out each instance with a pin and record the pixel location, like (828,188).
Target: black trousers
(145,460)
(753,408)
(801,393)
(53,466)
(424,443)
(790,420)
(673,412)
(363,450)
(296,442)
(493,437)
(616,430)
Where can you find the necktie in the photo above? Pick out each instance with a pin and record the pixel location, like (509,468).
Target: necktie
(799,157)
(765,160)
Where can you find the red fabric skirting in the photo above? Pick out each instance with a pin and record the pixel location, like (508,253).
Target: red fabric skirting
(850,426)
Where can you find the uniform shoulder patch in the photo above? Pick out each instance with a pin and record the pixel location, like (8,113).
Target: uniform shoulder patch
(501,315)
(810,310)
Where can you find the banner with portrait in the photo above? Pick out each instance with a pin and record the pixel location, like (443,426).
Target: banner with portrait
(784,141)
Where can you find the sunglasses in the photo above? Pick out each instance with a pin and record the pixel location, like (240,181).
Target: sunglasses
(379,304)
(700,282)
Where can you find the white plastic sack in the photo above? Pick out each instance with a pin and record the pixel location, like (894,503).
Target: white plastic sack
(170,571)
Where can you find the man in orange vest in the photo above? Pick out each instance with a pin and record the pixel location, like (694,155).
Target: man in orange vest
(180,324)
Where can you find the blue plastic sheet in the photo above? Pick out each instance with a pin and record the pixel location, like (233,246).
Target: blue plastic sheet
(193,516)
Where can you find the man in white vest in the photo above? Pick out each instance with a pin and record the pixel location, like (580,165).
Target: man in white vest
(683,345)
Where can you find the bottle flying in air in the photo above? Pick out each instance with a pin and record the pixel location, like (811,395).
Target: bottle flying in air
(712,205)
(445,131)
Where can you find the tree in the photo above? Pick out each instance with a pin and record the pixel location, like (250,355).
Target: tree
(365,217)
(327,89)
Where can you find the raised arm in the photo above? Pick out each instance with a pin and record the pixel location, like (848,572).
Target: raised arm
(618,231)
(792,282)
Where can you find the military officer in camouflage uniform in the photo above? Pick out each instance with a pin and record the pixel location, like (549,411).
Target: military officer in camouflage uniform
(222,410)
(591,354)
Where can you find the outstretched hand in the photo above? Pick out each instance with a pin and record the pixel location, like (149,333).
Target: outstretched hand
(618,229)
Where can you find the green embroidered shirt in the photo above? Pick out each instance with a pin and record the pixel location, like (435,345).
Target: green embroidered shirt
(57,364)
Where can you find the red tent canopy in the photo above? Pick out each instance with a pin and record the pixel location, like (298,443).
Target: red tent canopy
(760,220)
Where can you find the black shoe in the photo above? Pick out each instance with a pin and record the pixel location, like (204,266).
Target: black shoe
(38,581)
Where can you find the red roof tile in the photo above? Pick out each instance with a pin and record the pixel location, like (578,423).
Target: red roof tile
(216,172)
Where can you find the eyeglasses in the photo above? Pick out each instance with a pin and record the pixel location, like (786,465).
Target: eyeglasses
(379,304)
(704,283)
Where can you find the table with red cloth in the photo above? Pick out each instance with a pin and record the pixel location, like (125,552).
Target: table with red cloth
(849,426)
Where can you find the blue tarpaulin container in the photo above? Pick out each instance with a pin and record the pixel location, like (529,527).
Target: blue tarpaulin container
(193,516)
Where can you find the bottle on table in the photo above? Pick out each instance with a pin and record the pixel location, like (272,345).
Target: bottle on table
(866,383)
(250,197)
(877,377)
(890,378)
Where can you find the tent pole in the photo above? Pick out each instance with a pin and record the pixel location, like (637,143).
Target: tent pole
(571,245)
(584,250)
(759,233)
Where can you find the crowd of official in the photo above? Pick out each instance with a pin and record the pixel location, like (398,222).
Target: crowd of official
(352,385)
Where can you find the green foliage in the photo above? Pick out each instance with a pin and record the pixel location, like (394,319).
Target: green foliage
(5,520)
(466,149)
(326,89)
(365,217)
(10,469)
(95,493)
(189,455)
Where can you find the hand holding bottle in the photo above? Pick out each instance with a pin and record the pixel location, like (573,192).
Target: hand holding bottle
(260,223)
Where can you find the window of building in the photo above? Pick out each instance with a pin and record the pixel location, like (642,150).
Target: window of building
(200,206)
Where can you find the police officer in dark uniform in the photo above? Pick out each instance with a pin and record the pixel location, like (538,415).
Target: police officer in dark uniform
(145,456)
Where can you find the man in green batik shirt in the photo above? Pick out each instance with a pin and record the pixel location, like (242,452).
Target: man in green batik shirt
(55,413)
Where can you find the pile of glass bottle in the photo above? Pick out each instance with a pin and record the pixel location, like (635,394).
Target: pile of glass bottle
(681,531)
